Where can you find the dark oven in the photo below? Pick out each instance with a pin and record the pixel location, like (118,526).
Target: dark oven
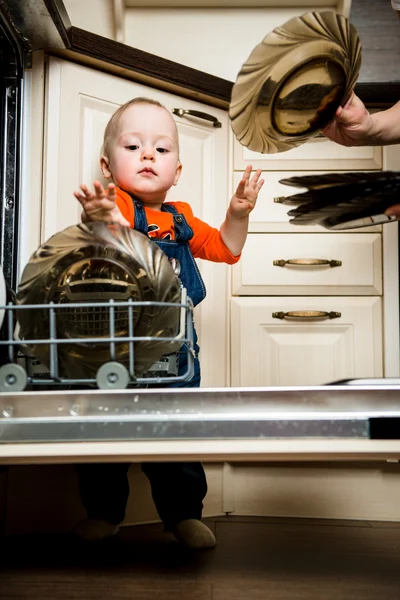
(10,142)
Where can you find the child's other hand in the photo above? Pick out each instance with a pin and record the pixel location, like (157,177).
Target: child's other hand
(245,197)
(100,205)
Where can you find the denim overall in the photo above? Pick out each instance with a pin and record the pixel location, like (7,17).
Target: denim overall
(189,272)
(177,488)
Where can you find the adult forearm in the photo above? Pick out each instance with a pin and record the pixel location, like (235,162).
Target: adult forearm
(234,232)
(386,127)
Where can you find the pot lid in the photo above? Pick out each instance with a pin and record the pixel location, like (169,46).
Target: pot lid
(294,80)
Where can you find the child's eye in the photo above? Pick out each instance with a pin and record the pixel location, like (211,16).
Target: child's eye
(161,150)
(132,147)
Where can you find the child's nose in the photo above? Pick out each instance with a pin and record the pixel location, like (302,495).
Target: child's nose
(148,153)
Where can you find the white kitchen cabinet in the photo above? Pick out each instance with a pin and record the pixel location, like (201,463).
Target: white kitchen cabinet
(286,267)
(317,154)
(79,102)
(269,349)
(344,264)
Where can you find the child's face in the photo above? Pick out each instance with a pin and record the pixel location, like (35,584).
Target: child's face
(144,154)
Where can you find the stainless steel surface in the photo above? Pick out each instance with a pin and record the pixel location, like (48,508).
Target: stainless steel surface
(38,24)
(11,93)
(341,201)
(294,80)
(370,381)
(364,222)
(330,412)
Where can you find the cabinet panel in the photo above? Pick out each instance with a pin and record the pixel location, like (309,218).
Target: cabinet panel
(360,271)
(268,351)
(317,154)
(79,103)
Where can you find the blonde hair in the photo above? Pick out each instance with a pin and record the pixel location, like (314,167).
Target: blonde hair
(112,125)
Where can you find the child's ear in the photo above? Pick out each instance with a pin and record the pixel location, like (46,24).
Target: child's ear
(178,173)
(105,167)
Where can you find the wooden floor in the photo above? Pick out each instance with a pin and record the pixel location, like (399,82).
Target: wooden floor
(256,558)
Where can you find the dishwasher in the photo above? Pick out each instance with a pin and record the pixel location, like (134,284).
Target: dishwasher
(86,308)
(114,415)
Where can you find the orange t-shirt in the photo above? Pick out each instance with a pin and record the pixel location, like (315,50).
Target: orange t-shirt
(206,242)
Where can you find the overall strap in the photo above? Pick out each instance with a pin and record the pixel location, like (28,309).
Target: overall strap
(183,231)
(140,222)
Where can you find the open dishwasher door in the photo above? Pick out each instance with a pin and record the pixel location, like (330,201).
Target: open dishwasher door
(352,419)
(306,423)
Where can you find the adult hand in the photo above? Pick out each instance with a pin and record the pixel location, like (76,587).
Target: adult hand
(393,211)
(352,125)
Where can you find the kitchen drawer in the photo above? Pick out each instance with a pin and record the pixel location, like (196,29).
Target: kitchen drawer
(359,271)
(317,154)
(268,349)
(271,216)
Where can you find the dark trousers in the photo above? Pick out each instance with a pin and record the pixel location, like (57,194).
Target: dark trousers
(177,488)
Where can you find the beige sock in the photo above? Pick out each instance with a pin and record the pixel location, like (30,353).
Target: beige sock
(94,529)
(194,534)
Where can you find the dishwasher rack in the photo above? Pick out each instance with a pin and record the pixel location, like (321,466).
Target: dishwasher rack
(23,371)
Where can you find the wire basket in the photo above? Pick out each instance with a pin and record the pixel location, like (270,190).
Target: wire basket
(95,320)
(106,324)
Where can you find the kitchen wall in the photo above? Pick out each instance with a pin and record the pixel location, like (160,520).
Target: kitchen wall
(92,15)
(215,39)
(218,38)
(379,30)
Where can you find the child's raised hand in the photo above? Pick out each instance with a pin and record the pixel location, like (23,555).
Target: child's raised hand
(100,205)
(244,199)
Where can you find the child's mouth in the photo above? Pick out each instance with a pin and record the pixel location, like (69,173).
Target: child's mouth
(146,172)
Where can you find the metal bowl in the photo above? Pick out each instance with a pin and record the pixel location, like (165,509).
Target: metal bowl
(95,263)
(293,82)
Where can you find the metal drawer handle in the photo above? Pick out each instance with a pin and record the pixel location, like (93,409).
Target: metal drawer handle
(306,315)
(307,262)
(181,112)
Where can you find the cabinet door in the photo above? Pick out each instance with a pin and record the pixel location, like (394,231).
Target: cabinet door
(344,264)
(79,102)
(270,351)
(317,154)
